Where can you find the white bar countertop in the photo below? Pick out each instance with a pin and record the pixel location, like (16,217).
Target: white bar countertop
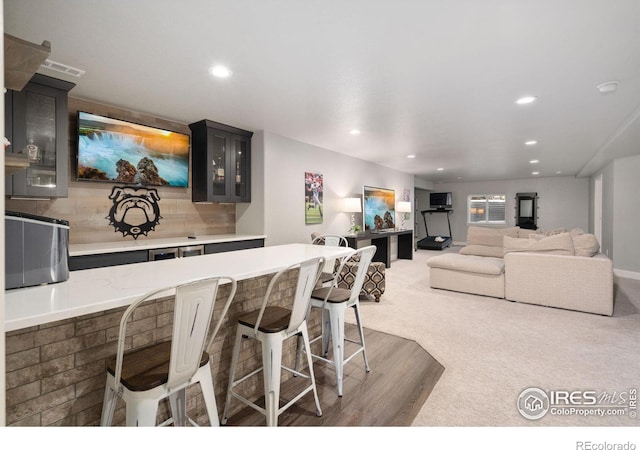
(95,290)
(146,244)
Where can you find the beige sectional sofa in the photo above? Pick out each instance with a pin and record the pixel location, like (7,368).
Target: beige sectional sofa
(561,268)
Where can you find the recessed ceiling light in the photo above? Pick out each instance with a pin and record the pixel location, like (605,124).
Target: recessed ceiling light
(220,71)
(440,169)
(534,161)
(558,172)
(354,132)
(531,143)
(526,100)
(535,173)
(608,88)
(411,156)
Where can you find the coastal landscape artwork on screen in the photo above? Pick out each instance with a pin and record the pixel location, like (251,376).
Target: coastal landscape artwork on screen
(379,208)
(125,152)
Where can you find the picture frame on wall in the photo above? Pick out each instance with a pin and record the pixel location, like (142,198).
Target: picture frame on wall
(313,190)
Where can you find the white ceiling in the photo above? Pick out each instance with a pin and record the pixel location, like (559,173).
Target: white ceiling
(434,78)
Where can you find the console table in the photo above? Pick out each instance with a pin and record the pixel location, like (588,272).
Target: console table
(382,241)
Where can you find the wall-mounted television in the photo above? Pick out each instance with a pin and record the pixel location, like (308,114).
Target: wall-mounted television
(118,151)
(440,200)
(379,208)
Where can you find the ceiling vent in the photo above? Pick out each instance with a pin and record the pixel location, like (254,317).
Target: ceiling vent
(63,68)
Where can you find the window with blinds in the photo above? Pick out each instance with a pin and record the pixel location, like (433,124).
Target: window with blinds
(487,208)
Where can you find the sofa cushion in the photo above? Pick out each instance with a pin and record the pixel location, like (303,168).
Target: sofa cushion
(482,250)
(576,232)
(585,245)
(467,263)
(557,244)
(489,236)
(526,233)
(555,231)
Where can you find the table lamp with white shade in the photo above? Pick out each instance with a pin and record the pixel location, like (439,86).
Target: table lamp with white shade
(404,208)
(352,205)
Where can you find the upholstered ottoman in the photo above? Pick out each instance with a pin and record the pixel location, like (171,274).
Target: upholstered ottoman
(482,275)
(374,281)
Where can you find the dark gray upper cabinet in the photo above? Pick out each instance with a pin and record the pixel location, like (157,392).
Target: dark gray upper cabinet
(221,163)
(37,124)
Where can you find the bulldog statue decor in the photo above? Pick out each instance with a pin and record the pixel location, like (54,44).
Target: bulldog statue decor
(135,210)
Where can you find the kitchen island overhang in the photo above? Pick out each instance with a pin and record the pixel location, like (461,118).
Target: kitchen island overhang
(95,290)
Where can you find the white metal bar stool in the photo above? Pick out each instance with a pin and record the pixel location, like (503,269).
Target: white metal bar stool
(333,240)
(271,325)
(334,302)
(145,376)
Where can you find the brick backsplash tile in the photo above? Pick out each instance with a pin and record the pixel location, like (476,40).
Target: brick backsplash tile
(71,377)
(147,309)
(55,324)
(112,333)
(58,415)
(150,337)
(90,400)
(164,319)
(54,334)
(92,384)
(138,326)
(99,322)
(19,342)
(54,366)
(73,345)
(22,359)
(90,416)
(39,404)
(38,371)
(95,353)
(22,331)
(23,393)
(31,421)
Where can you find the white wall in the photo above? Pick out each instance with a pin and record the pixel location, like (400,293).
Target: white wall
(421,204)
(563,202)
(421,183)
(608,200)
(250,217)
(626,214)
(620,213)
(282,201)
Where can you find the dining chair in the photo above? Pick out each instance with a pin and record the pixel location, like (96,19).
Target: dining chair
(271,326)
(142,377)
(334,301)
(334,240)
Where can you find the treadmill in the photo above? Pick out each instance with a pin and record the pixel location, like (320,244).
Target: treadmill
(435,242)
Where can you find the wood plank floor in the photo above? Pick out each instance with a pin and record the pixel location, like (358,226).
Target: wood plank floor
(402,376)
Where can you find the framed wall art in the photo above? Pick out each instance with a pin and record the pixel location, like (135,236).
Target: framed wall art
(313,188)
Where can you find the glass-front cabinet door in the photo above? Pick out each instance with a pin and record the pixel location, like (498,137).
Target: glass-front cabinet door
(241,166)
(218,160)
(39,124)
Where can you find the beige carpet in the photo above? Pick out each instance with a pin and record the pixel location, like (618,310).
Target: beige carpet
(493,349)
